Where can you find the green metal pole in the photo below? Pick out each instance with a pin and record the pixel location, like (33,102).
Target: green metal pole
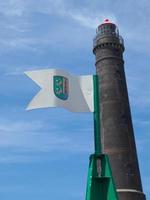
(97,128)
(100,184)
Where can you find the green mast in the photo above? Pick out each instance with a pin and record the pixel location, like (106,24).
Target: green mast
(100,183)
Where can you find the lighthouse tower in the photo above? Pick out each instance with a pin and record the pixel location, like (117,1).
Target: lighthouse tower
(116,123)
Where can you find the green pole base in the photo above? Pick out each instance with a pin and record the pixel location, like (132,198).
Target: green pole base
(100,184)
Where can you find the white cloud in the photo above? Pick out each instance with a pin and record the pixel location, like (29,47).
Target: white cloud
(17,32)
(91,21)
(24,134)
(16,28)
(22,43)
(12,7)
(20,139)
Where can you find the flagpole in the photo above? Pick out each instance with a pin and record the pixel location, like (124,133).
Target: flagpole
(97,127)
(100,183)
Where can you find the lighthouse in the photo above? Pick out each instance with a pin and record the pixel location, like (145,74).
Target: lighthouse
(117,133)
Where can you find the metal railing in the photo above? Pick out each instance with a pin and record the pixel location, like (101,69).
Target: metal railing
(99,36)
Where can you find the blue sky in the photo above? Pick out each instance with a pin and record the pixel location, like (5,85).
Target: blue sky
(44,153)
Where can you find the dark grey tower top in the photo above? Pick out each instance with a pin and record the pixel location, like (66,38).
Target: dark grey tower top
(108,33)
(117,133)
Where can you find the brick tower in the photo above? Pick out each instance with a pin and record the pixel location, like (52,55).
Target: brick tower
(116,123)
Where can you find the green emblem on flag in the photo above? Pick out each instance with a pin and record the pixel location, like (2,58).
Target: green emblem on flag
(61,87)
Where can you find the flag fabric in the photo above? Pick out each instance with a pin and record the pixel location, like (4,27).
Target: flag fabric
(61,89)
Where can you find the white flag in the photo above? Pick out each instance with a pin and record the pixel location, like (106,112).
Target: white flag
(60,89)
